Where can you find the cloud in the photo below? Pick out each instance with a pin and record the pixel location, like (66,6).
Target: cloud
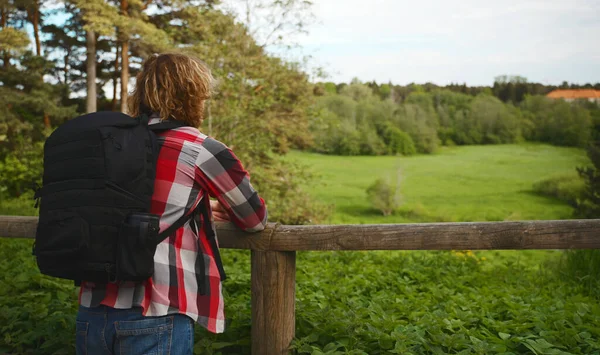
(468,40)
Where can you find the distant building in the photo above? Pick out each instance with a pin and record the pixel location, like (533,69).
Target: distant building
(576,94)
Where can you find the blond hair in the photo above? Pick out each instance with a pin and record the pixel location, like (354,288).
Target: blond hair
(175,86)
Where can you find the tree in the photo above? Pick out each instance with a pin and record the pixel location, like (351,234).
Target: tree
(12,40)
(134,28)
(32,7)
(558,122)
(124,46)
(495,120)
(91,71)
(589,205)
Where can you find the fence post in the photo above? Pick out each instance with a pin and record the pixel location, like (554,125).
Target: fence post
(273,301)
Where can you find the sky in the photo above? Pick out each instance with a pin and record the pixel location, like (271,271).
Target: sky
(464,41)
(448,41)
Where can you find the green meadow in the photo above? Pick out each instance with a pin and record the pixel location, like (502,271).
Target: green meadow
(458,184)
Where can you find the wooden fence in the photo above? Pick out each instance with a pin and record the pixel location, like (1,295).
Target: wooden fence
(274,255)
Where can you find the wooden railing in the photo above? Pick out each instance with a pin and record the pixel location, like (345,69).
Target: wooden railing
(274,255)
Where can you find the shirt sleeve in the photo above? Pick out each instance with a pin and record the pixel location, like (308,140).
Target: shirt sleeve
(221,173)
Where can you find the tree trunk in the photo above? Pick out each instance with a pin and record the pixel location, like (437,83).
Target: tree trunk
(66,68)
(36,28)
(124,75)
(209,117)
(124,62)
(46,120)
(91,72)
(115,80)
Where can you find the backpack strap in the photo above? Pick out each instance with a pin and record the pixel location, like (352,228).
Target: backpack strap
(166,125)
(178,223)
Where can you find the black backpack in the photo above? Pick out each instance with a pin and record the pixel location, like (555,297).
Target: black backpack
(94,222)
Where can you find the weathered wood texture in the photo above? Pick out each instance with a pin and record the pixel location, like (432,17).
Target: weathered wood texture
(568,234)
(273,301)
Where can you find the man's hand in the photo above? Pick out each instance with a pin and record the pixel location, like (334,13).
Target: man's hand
(218,212)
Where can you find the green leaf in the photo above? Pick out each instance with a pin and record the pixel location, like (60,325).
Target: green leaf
(503,336)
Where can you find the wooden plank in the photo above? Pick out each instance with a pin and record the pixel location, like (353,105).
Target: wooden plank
(566,234)
(18,226)
(273,301)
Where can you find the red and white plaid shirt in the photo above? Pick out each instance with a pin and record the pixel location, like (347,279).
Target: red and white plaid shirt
(190,166)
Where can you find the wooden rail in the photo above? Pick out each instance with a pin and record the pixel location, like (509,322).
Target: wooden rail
(274,255)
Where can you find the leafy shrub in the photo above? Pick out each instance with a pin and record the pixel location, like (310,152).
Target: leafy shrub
(384,196)
(281,185)
(37,313)
(22,169)
(439,303)
(398,142)
(567,188)
(388,302)
(23,205)
(370,142)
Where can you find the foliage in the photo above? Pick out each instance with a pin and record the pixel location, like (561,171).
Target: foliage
(421,124)
(557,122)
(26,100)
(496,121)
(12,39)
(353,303)
(568,188)
(582,269)
(282,183)
(440,302)
(397,142)
(384,196)
(37,313)
(24,167)
(589,205)
(432,116)
(260,109)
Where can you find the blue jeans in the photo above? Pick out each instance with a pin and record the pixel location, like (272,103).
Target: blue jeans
(105,330)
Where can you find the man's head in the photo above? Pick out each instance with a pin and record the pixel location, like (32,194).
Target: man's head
(173,85)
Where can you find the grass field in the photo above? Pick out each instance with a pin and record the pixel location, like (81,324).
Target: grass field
(472,183)
(379,302)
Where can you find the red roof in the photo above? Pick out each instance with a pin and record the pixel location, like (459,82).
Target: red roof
(575,94)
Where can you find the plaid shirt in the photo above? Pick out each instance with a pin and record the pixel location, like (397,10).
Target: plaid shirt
(190,166)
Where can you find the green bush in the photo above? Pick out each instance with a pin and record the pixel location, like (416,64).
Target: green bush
(22,169)
(384,196)
(567,188)
(397,141)
(37,313)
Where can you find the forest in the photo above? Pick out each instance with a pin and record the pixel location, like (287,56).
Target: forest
(371,119)
(53,70)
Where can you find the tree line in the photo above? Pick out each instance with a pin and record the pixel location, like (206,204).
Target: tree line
(370,119)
